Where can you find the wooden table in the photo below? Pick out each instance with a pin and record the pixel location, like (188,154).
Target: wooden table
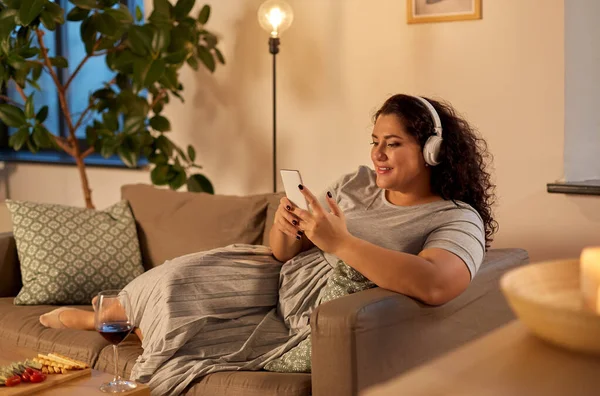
(509,361)
(83,385)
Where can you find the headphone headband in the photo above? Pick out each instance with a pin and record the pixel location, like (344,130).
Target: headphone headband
(437,129)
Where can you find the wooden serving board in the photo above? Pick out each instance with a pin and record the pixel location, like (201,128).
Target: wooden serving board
(25,388)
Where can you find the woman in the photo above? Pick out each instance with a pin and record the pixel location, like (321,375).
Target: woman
(418,225)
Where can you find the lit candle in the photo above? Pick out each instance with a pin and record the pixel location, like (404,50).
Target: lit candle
(590,278)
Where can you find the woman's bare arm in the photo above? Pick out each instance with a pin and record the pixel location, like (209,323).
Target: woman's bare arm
(435,276)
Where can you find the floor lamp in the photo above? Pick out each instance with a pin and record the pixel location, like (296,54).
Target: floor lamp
(275,16)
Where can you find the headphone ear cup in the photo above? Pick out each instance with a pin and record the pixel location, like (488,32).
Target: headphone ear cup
(431,150)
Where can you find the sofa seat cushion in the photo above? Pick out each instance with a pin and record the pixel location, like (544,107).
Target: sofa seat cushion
(20,326)
(243,383)
(252,383)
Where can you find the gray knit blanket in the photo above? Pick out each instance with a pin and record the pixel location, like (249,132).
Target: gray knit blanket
(228,309)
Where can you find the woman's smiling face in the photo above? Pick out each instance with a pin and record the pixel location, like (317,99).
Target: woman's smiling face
(397,157)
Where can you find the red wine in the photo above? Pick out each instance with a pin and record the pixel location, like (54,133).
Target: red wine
(114,332)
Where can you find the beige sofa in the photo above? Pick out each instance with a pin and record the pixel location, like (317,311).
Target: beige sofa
(357,341)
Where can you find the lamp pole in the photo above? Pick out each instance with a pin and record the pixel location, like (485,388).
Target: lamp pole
(274,49)
(275,16)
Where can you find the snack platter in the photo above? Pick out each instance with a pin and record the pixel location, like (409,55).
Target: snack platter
(41,372)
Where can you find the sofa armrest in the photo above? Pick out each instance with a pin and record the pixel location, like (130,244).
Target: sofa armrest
(372,336)
(10,272)
(339,326)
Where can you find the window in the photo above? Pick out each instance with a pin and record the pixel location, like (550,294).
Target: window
(65,41)
(582,119)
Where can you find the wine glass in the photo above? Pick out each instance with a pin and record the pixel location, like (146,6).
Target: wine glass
(112,323)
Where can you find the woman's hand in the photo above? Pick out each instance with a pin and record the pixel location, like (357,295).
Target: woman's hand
(327,230)
(285,220)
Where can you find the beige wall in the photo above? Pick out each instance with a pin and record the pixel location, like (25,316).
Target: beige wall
(338,62)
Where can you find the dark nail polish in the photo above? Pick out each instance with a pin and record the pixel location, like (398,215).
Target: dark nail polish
(298,237)
(300,186)
(329,194)
(288,207)
(294,222)
(300,232)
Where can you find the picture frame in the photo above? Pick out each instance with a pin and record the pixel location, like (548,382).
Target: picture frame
(426,11)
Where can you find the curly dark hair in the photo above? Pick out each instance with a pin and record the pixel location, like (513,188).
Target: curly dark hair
(462,174)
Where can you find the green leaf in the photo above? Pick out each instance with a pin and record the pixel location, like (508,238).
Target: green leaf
(77,14)
(110,120)
(15,4)
(41,137)
(157,157)
(15,61)
(210,40)
(183,8)
(128,156)
(59,61)
(29,10)
(138,13)
(133,124)
(219,56)
(157,68)
(56,11)
(29,53)
(179,180)
(171,77)
(199,183)
(160,123)
(160,40)
(123,60)
(7,22)
(140,39)
(42,114)
(140,71)
(109,146)
(29,109)
(88,33)
(163,7)
(120,14)
(85,4)
(193,62)
(191,153)
(37,71)
(107,24)
(12,115)
(176,57)
(165,145)
(18,139)
(206,58)
(160,174)
(48,21)
(204,14)
(34,84)
(160,20)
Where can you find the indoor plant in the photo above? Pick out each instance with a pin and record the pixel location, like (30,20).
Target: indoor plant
(124,117)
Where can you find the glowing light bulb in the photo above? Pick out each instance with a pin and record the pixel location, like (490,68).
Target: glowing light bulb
(275,16)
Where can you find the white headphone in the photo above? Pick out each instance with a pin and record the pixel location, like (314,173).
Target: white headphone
(431,149)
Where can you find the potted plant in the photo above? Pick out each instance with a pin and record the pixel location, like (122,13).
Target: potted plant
(124,117)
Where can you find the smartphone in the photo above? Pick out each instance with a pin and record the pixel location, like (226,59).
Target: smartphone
(291,178)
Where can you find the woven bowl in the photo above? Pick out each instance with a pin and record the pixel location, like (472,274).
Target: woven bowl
(546,298)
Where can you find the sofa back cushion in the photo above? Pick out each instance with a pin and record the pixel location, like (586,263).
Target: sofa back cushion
(172,224)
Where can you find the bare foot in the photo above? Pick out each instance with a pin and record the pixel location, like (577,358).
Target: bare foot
(71,318)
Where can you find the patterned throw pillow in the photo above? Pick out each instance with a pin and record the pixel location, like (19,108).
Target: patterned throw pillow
(69,254)
(343,281)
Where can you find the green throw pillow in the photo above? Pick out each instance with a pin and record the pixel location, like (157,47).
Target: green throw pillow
(69,254)
(343,281)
